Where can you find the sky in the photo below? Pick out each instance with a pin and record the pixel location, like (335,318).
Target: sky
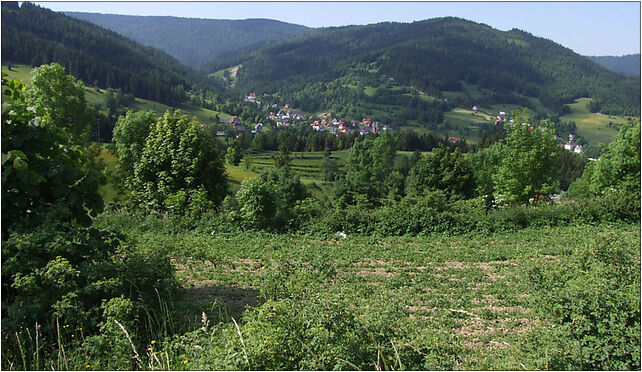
(588,28)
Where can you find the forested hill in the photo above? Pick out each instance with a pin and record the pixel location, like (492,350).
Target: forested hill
(627,65)
(440,55)
(194,41)
(35,35)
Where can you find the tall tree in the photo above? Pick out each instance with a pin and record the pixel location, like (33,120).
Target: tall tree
(443,170)
(180,167)
(618,168)
(527,161)
(62,97)
(43,174)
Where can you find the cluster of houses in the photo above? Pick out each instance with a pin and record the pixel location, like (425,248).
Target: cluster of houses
(235,122)
(282,117)
(335,126)
(570,146)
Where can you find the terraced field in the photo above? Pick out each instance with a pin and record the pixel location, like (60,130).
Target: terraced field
(477,293)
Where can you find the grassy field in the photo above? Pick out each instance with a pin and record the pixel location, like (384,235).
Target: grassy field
(473,293)
(108,191)
(594,127)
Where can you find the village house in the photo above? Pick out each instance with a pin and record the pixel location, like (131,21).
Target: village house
(234,121)
(579,149)
(388,128)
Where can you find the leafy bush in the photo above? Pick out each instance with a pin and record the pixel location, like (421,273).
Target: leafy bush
(319,333)
(65,272)
(592,297)
(270,201)
(171,164)
(44,177)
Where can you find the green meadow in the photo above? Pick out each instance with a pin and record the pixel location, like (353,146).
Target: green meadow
(594,127)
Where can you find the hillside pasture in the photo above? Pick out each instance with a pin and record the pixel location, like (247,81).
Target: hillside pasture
(95,96)
(594,127)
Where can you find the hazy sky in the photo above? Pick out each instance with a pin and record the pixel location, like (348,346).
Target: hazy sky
(589,28)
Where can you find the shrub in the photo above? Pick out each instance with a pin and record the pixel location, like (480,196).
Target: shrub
(67,272)
(44,177)
(177,168)
(592,297)
(317,333)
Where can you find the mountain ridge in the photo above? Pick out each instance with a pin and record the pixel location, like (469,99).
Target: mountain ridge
(440,55)
(35,35)
(628,64)
(194,41)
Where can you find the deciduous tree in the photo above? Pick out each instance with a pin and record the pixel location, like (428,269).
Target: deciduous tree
(527,161)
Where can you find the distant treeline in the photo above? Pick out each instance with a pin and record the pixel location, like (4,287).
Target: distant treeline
(35,35)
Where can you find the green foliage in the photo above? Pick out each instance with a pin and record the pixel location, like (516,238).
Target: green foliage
(57,271)
(317,331)
(527,162)
(619,166)
(272,201)
(180,167)
(369,164)
(61,97)
(194,42)
(570,166)
(329,169)
(436,56)
(115,99)
(44,177)
(593,299)
(130,134)
(443,170)
(257,203)
(282,157)
(36,36)
(233,155)
(627,64)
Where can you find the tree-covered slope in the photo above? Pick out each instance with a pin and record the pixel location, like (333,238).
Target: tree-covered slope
(627,65)
(194,41)
(35,35)
(441,55)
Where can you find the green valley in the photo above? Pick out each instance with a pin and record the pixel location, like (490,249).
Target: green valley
(434,195)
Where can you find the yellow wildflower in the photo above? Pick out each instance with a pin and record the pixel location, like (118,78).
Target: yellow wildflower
(153,342)
(185,361)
